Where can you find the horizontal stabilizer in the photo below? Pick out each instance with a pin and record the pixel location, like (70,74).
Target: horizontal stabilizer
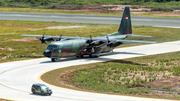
(33,35)
(131,35)
(135,41)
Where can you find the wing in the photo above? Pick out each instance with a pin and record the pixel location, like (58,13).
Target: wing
(53,37)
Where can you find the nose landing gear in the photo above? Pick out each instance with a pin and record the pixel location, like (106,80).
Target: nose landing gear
(54,59)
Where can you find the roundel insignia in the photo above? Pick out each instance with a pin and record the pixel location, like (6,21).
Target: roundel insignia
(126,16)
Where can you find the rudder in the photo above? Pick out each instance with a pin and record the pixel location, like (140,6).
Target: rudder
(125,25)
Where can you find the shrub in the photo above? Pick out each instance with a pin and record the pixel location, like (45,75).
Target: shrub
(2,3)
(78,7)
(149,86)
(165,9)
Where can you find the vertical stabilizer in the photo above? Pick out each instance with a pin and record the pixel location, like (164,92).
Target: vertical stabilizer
(125,25)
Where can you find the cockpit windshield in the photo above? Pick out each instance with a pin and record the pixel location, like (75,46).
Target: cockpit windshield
(49,47)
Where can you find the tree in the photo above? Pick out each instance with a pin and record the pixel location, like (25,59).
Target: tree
(2,2)
(41,2)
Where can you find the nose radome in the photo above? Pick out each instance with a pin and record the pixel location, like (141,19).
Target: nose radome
(47,53)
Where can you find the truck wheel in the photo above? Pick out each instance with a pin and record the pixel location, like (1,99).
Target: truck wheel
(33,91)
(42,93)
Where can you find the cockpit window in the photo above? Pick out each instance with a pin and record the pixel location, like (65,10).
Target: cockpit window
(49,47)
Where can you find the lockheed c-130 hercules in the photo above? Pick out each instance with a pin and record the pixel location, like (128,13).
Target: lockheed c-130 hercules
(75,46)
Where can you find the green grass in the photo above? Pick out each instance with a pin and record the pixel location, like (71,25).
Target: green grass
(11,50)
(33,10)
(114,76)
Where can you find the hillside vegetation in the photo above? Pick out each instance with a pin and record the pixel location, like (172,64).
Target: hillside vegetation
(112,2)
(155,5)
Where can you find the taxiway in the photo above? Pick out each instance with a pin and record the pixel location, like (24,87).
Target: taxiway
(16,78)
(93,19)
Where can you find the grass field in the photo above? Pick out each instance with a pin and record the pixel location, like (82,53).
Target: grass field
(129,76)
(35,10)
(15,47)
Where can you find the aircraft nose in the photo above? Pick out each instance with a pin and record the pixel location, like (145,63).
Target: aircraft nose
(47,53)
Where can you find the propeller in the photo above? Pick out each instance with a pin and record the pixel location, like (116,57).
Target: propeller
(60,37)
(109,43)
(92,44)
(42,40)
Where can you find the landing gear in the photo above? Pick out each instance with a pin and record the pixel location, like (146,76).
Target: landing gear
(54,59)
(90,55)
(79,56)
(93,56)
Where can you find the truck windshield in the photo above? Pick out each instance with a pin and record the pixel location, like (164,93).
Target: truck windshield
(44,87)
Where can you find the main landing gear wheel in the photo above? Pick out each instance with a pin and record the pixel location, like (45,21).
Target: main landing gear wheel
(93,56)
(90,55)
(54,59)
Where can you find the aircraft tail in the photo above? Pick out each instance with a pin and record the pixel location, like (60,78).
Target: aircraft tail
(125,25)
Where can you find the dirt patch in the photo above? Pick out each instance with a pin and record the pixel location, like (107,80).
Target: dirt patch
(173,82)
(118,9)
(59,27)
(2,48)
(6,33)
(63,78)
(4,100)
(9,49)
(6,56)
(25,39)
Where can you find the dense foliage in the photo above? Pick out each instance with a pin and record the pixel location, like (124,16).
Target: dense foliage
(155,5)
(46,2)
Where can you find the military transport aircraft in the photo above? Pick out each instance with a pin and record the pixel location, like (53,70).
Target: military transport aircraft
(75,46)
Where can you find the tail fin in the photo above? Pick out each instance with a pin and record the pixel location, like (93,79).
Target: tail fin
(125,25)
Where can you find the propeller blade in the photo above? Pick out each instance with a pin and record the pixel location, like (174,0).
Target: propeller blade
(91,37)
(41,45)
(42,39)
(109,43)
(60,37)
(43,34)
(112,49)
(92,50)
(107,38)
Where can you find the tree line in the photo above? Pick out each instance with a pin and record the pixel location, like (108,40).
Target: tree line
(47,2)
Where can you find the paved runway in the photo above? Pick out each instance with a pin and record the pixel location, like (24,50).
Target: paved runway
(95,19)
(16,78)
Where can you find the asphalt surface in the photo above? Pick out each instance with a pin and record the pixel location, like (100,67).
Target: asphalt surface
(16,78)
(95,19)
